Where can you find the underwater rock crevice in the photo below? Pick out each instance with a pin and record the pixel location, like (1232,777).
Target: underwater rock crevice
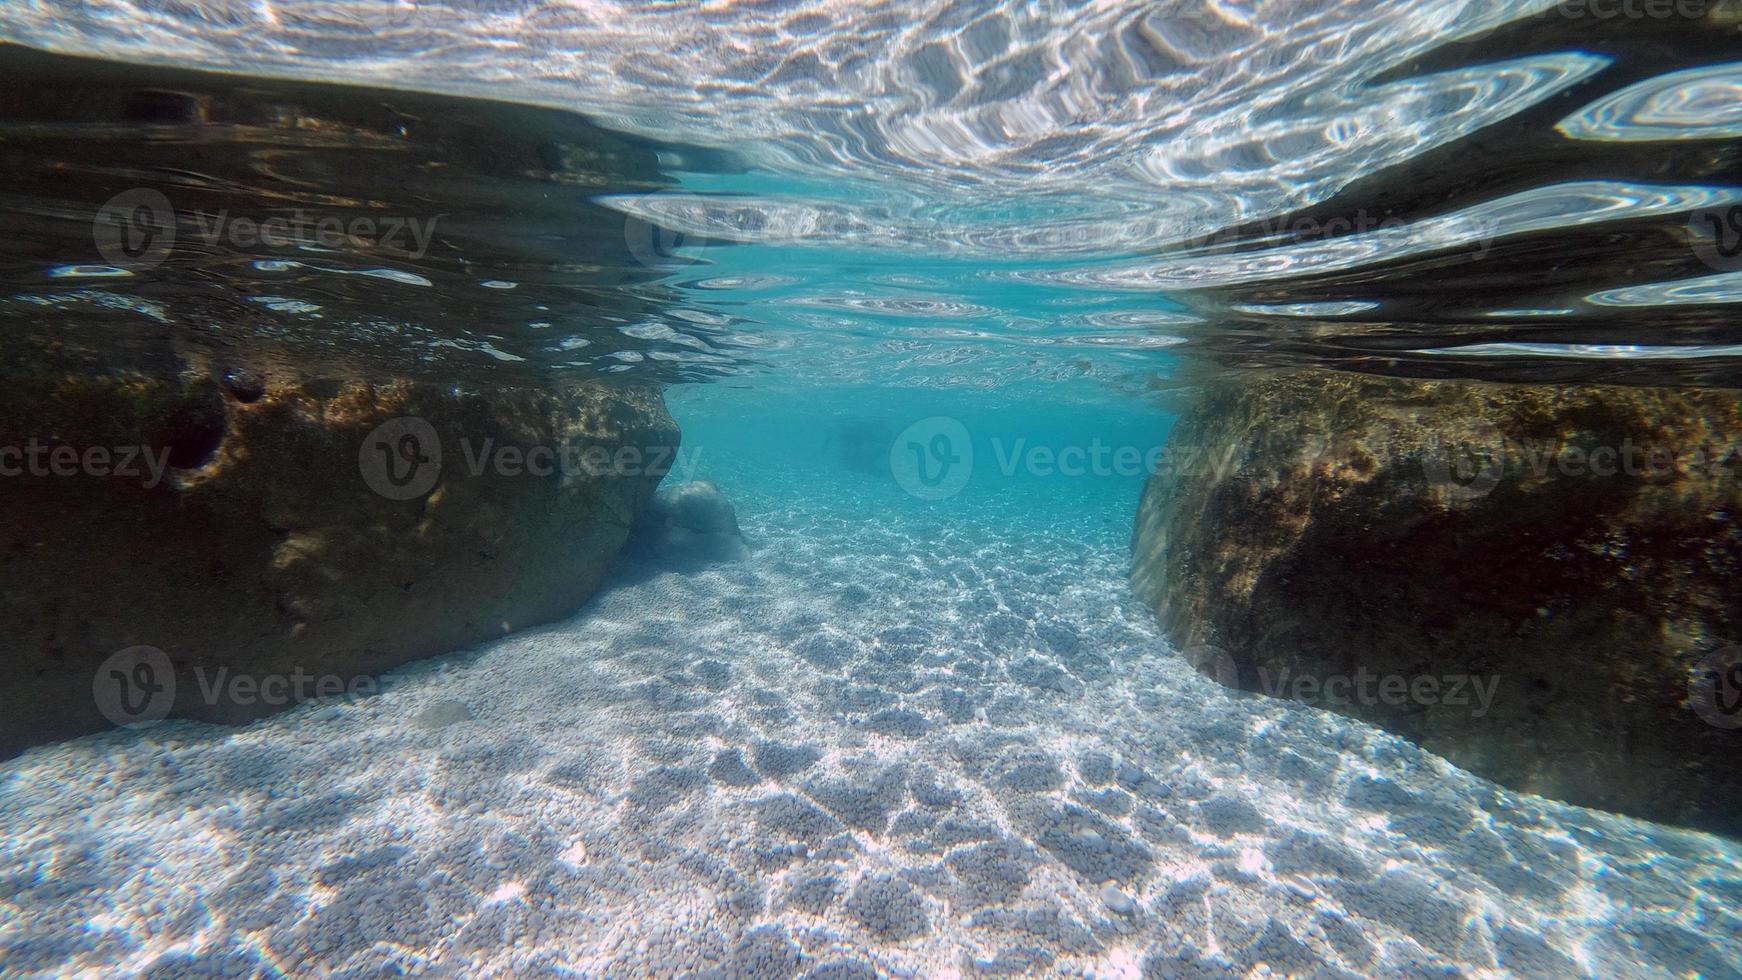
(1523,579)
(288,548)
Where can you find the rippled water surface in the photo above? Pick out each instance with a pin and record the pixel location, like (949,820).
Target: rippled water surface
(984,191)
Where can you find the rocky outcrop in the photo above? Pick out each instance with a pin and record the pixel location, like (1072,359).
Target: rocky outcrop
(1536,582)
(687,527)
(245,539)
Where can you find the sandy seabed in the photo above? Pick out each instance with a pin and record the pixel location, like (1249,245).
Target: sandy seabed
(919,748)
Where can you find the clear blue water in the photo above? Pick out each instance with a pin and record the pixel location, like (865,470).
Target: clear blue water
(926,288)
(1075,458)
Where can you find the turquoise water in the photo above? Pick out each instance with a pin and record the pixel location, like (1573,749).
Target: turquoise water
(927,290)
(1075,458)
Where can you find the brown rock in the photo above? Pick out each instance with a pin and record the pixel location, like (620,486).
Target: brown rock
(1576,548)
(272,545)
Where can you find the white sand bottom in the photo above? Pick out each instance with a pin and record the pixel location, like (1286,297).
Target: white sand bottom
(916,749)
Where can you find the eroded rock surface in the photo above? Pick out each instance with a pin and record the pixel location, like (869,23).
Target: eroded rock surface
(287,532)
(1567,555)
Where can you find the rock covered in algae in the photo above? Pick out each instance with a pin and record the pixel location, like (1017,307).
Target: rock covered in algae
(280,537)
(1536,582)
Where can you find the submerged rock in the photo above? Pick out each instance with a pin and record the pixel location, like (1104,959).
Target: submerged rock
(688,526)
(1535,582)
(245,546)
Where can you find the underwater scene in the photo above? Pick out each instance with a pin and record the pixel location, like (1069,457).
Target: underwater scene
(871,488)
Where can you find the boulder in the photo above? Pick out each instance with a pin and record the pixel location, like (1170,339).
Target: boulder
(687,527)
(1549,573)
(271,537)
